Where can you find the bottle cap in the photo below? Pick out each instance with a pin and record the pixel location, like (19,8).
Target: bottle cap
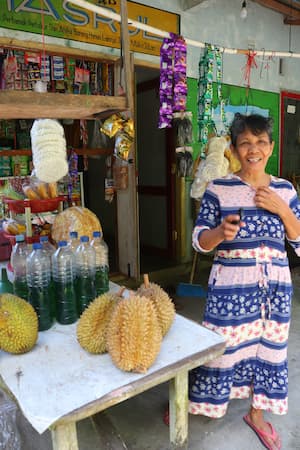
(44,238)
(62,243)
(73,234)
(36,245)
(96,233)
(20,237)
(84,239)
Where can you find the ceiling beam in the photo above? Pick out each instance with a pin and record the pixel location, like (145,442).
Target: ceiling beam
(188,4)
(291,21)
(286,10)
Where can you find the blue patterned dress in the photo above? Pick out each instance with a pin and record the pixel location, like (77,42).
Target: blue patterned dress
(248,301)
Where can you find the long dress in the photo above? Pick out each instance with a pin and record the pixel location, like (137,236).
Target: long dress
(248,301)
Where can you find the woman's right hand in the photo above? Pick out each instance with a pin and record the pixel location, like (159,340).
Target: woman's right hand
(226,231)
(230,226)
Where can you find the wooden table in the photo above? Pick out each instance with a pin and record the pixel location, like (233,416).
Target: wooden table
(58,383)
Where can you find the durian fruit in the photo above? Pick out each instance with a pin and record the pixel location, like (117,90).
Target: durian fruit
(18,324)
(134,335)
(161,301)
(91,327)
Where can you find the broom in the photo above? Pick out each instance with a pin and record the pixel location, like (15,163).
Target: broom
(190,289)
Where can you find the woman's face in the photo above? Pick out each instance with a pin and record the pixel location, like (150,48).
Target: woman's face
(253,151)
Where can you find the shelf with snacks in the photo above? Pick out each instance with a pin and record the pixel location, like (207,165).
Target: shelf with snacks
(25,212)
(34,216)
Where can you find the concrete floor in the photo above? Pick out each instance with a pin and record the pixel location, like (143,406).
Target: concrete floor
(137,424)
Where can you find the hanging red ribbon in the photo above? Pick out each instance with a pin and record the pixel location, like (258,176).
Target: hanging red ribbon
(250,64)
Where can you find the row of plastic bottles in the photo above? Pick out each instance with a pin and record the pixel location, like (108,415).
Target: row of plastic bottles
(60,283)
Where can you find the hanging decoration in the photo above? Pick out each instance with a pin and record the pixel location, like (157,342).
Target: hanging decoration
(173,84)
(265,65)
(250,64)
(210,63)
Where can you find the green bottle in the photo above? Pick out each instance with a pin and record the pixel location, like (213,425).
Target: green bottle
(5,284)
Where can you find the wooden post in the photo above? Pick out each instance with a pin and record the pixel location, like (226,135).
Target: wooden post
(127,202)
(128,79)
(178,395)
(64,437)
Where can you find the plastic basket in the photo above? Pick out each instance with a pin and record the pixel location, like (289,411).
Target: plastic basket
(36,206)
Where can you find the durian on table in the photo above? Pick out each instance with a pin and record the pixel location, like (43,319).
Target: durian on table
(161,301)
(134,334)
(92,324)
(18,324)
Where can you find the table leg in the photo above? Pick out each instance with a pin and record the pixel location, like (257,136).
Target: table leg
(64,437)
(178,400)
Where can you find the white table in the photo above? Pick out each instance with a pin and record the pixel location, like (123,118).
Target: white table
(58,383)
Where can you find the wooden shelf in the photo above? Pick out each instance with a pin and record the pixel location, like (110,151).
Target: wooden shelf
(35,105)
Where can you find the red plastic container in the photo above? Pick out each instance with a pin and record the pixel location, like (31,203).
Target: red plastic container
(37,206)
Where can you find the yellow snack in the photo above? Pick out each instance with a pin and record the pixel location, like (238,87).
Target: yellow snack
(42,190)
(112,125)
(52,190)
(30,192)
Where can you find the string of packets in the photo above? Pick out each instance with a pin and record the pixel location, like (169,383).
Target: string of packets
(210,63)
(173,81)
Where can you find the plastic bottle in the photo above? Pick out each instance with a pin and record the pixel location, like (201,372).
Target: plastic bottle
(5,285)
(73,241)
(18,258)
(49,249)
(38,281)
(102,266)
(63,275)
(85,260)
(47,246)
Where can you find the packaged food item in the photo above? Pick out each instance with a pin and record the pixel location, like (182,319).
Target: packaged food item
(123,145)
(112,125)
(52,190)
(42,190)
(12,226)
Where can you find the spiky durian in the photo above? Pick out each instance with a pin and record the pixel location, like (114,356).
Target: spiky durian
(18,324)
(134,335)
(161,301)
(91,327)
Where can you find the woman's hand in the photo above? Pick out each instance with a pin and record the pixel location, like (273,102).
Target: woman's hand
(230,226)
(269,200)
(226,231)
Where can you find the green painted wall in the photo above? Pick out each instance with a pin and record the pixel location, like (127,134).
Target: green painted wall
(235,96)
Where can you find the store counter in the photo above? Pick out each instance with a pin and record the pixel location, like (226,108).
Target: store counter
(58,383)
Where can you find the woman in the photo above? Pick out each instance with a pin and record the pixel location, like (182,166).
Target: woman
(247,216)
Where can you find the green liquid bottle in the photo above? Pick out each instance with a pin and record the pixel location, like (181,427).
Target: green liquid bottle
(63,274)
(5,284)
(38,273)
(85,259)
(102,267)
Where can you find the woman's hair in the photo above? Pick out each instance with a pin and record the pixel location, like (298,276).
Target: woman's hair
(255,123)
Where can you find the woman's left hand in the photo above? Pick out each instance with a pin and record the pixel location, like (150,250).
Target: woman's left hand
(269,200)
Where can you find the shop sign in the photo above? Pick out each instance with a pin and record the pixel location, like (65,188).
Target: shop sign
(65,20)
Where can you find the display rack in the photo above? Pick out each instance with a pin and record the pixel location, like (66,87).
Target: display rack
(29,207)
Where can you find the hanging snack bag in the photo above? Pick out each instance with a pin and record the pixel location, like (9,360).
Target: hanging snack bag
(123,145)
(112,125)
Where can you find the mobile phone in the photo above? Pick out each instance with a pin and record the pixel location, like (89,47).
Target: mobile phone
(240,213)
